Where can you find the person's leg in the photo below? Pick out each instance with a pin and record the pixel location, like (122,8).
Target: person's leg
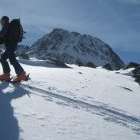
(6,69)
(21,74)
(18,68)
(5,65)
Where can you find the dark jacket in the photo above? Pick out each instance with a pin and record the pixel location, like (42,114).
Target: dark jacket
(6,39)
(3,34)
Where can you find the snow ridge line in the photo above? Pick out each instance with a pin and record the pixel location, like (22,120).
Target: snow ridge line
(109,114)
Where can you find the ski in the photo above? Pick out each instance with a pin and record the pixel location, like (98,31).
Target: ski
(19,82)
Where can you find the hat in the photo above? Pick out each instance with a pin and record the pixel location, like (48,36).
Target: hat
(5,18)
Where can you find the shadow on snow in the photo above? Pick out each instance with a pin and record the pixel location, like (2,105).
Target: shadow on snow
(9,129)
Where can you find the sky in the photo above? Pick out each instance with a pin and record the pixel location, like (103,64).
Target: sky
(114,21)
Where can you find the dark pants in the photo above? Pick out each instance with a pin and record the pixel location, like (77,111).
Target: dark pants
(10,54)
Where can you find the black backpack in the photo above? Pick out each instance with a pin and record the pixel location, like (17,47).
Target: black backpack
(15,31)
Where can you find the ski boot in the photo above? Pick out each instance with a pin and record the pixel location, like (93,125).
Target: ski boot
(5,77)
(21,77)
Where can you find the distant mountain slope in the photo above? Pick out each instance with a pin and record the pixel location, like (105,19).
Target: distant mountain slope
(74,48)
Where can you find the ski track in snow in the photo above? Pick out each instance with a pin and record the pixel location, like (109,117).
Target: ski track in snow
(73,99)
(109,114)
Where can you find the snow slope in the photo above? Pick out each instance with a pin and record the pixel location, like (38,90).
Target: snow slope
(76,103)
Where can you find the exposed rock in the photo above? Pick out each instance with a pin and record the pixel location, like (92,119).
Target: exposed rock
(108,67)
(132,65)
(74,48)
(136,74)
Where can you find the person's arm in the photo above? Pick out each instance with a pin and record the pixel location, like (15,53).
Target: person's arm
(2,35)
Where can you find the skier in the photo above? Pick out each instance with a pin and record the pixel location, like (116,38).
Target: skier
(7,37)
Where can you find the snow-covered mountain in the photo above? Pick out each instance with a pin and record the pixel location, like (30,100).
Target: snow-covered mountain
(76,103)
(75,48)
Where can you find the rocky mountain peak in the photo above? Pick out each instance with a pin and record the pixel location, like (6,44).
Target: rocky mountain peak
(75,48)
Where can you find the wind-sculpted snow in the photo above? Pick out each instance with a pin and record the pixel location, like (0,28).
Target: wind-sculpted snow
(74,48)
(106,112)
(44,63)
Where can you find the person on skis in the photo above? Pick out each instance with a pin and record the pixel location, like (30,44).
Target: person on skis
(7,37)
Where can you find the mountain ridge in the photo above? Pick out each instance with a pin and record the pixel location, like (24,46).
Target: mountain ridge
(75,48)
